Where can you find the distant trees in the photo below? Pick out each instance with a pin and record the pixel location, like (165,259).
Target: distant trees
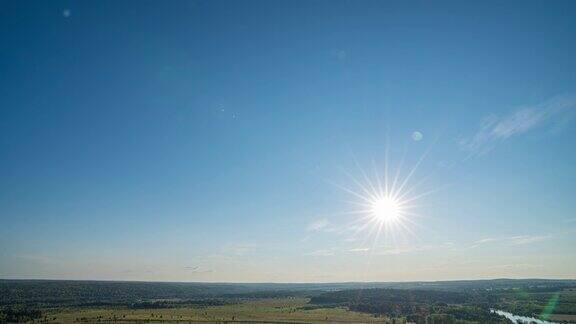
(100,293)
(393,296)
(19,314)
(417,306)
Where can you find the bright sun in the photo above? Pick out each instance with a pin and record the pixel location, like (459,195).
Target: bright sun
(385,209)
(386,205)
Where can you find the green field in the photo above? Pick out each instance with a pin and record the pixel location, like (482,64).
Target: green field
(278,310)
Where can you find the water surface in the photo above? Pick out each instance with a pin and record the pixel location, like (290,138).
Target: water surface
(520,319)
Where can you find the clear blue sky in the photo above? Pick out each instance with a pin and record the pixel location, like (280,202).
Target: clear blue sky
(209,140)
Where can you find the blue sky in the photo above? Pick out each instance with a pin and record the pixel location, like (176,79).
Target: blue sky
(216,140)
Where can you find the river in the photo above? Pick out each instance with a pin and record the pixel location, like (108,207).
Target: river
(520,319)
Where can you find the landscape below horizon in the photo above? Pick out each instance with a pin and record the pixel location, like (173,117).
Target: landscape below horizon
(464,301)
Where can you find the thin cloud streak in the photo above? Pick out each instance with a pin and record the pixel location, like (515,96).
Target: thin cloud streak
(323,252)
(382,250)
(318,225)
(512,240)
(197,269)
(527,239)
(486,240)
(359,250)
(551,114)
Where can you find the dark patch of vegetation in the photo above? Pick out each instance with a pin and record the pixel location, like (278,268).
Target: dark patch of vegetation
(273,294)
(103,293)
(159,304)
(18,314)
(313,307)
(391,295)
(416,305)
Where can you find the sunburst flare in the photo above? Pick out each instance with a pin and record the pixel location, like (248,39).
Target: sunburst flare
(386,206)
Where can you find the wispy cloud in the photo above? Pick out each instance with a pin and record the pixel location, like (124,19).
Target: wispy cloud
(527,239)
(197,269)
(399,250)
(323,252)
(483,241)
(511,240)
(495,129)
(388,249)
(356,250)
(318,225)
(406,249)
(486,240)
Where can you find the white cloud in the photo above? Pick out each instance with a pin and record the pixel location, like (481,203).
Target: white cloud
(359,250)
(197,269)
(511,240)
(405,249)
(486,240)
(527,239)
(494,129)
(318,225)
(323,252)
(482,242)
(383,250)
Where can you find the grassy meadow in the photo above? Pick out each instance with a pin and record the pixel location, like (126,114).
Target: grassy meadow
(273,310)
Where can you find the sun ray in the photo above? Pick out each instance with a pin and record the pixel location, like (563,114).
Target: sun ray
(377,175)
(350,191)
(367,191)
(413,170)
(365,176)
(392,191)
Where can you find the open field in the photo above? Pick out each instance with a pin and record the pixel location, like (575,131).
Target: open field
(282,310)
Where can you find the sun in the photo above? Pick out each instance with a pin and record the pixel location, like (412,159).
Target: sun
(385,204)
(385,209)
